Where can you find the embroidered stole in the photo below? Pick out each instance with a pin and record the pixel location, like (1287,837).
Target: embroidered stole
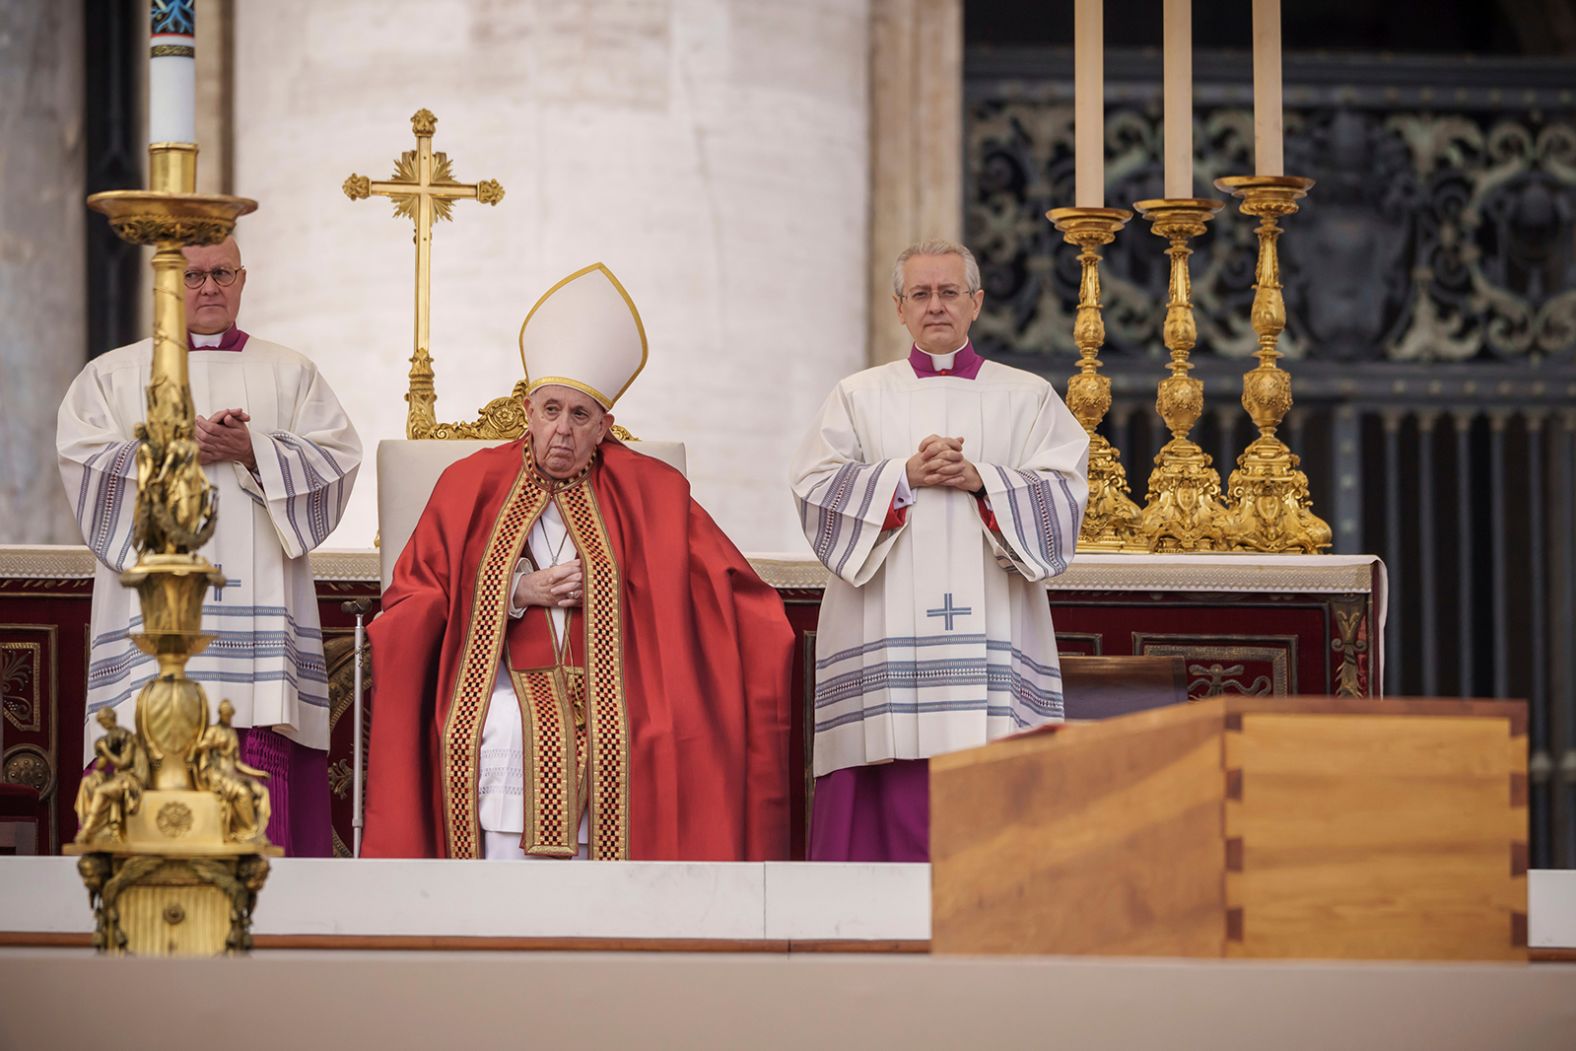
(577,740)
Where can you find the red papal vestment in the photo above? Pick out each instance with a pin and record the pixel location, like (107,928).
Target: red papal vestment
(679,671)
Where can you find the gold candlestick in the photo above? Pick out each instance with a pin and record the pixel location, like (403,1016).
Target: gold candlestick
(172,842)
(1269,508)
(1111,521)
(1183,509)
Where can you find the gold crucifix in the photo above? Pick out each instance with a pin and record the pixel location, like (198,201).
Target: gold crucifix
(423,190)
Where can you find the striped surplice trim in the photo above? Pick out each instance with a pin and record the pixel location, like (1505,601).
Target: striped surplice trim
(109,477)
(838,528)
(922,708)
(1020,687)
(304,690)
(1044,513)
(232,646)
(901,642)
(250,613)
(274,648)
(916,676)
(324,484)
(908,642)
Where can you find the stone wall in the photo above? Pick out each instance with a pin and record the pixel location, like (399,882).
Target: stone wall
(714,154)
(41,269)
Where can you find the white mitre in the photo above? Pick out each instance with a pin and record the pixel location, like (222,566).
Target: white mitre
(584,333)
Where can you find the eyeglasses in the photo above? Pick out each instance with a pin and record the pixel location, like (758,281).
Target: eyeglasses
(223,276)
(947,294)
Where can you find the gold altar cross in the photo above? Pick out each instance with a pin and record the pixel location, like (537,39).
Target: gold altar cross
(423,190)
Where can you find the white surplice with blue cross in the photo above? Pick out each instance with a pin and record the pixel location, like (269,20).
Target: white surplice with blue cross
(936,635)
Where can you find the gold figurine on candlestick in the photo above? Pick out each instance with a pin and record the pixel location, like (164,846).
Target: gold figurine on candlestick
(1112,519)
(1269,508)
(1183,510)
(171,853)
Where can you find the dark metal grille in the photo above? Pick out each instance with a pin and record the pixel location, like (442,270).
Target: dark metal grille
(1431,297)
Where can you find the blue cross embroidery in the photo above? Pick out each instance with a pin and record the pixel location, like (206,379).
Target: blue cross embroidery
(218,589)
(948,610)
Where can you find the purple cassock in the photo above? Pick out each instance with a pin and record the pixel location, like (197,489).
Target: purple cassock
(882,812)
(298,791)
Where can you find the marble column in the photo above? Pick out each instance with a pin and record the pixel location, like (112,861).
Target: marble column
(713,153)
(916,145)
(41,267)
(215,111)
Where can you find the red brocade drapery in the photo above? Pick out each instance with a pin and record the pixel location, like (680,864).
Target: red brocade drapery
(705,666)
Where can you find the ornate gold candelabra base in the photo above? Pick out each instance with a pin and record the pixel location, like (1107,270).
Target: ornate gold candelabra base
(1183,509)
(1111,520)
(1269,507)
(171,885)
(172,823)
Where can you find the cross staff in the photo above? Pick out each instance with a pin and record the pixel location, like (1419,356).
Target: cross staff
(423,190)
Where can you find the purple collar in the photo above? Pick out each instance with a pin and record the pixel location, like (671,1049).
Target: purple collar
(965,365)
(233,339)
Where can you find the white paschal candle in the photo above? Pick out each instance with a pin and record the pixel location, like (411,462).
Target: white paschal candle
(1089,104)
(172,72)
(1178,77)
(1267,159)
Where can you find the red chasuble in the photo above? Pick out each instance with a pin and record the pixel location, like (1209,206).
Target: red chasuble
(680,658)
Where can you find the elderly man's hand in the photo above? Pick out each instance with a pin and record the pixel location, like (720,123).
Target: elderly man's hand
(561,585)
(940,462)
(223,436)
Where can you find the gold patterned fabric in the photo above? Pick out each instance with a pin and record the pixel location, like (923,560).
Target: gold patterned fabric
(559,753)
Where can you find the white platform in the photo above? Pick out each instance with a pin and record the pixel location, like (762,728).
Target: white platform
(646,900)
(636,900)
(1551,909)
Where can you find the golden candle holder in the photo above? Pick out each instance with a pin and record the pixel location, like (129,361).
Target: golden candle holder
(1183,509)
(172,839)
(1111,520)
(1269,508)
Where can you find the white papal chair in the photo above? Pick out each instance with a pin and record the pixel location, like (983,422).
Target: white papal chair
(408,471)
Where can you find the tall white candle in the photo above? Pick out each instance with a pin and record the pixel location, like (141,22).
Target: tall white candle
(1089,104)
(172,71)
(1267,159)
(1178,29)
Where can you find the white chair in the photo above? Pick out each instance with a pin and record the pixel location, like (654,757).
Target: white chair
(408,471)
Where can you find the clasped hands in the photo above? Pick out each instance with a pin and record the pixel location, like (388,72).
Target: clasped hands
(940,462)
(223,436)
(561,585)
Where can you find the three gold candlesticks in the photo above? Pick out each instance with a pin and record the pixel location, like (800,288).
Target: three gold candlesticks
(1265,505)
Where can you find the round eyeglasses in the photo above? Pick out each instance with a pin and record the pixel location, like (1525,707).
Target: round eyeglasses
(223,276)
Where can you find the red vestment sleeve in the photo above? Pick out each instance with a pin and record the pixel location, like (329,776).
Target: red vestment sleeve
(405,639)
(987,516)
(895,516)
(758,668)
(707,659)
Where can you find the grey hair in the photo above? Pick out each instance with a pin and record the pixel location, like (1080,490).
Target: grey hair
(971,267)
